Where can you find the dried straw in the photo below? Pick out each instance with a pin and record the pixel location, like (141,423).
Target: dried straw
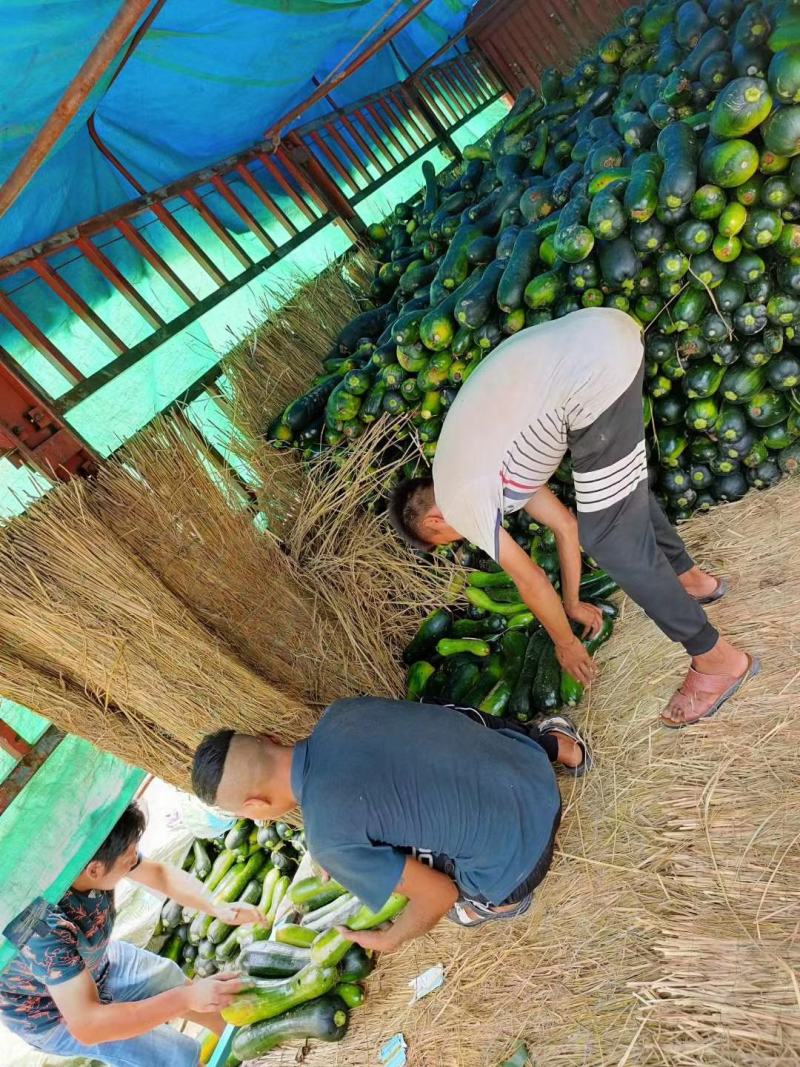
(100,618)
(110,728)
(667,931)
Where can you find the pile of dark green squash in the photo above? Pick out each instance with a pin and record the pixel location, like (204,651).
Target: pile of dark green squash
(660,177)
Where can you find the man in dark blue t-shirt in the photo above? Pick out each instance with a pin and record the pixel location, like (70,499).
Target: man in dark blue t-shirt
(456,812)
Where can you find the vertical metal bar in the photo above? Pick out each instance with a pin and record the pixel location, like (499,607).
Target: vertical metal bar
(401,120)
(334,161)
(322,185)
(362,144)
(119,281)
(459,100)
(157,262)
(272,168)
(348,152)
(417,120)
(216,227)
(387,130)
(244,213)
(170,223)
(271,205)
(43,345)
(374,134)
(476,91)
(78,305)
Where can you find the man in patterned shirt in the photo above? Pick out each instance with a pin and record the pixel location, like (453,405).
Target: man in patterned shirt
(72,991)
(574,383)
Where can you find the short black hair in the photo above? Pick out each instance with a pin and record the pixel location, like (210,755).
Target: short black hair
(405,511)
(209,763)
(127,831)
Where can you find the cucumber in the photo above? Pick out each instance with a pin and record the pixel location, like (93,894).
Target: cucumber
(324,1019)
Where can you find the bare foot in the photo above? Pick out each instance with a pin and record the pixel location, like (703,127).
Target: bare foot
(698,583)
(724,658)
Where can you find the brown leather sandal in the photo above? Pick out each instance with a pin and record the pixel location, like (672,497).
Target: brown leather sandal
(705,691)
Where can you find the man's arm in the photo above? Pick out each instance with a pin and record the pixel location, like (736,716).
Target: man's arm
(92,1023)
(187,890)
(430,895)
(542,599)
(545,507)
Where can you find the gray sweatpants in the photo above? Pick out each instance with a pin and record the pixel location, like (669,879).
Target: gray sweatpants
(622,526)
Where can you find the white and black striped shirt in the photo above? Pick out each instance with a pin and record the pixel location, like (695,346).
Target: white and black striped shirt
(506,432)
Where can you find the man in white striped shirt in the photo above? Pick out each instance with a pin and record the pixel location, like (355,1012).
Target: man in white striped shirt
(574,383)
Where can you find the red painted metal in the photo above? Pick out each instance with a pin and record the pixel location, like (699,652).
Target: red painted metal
(255,226)
(78,306)
(31,433)
(34,336)
(72,99)
(188,243)
(216,227)
(387,130)
(10,742)
(101,261)
(521,37)
(271,205)
(13,785)
(157,262)
(330,84)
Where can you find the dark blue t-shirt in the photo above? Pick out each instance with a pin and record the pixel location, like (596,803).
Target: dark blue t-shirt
(379,775)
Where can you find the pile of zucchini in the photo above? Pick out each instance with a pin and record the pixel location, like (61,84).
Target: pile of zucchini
(660,177)
(303,981)
(495,656)
(253,864)
(303,976)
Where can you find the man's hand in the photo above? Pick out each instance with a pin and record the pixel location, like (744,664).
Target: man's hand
(213,994)
(238,914)
(376,940)
(586,615)
(575,660)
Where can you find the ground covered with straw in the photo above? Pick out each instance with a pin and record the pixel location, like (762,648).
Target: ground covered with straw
(667,931)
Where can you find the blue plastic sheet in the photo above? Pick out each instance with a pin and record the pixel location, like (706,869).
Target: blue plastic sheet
(206,81)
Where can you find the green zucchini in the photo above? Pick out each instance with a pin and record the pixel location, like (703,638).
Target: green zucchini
(518,269)
(546,688)
(434,626)
(351,993)
(729,163)
(519,705)
(481,599)
(740,107)
(475,307)
(419,675)
(641,194)
(323,1019)
(497,699)
(356,965)
(781,131)
(273,959)
(330,947)
(677,147)
(544,289)
(314,892)
(452,646)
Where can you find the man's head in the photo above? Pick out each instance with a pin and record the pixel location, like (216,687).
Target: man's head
(415,516)
(118,854)
(248,776)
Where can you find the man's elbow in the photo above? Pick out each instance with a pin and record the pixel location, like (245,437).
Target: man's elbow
(84,1030)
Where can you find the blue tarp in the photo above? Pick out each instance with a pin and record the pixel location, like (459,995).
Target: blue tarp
(205,82)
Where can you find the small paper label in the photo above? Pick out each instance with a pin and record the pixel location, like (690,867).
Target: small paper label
(426,982)
(393,1053)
